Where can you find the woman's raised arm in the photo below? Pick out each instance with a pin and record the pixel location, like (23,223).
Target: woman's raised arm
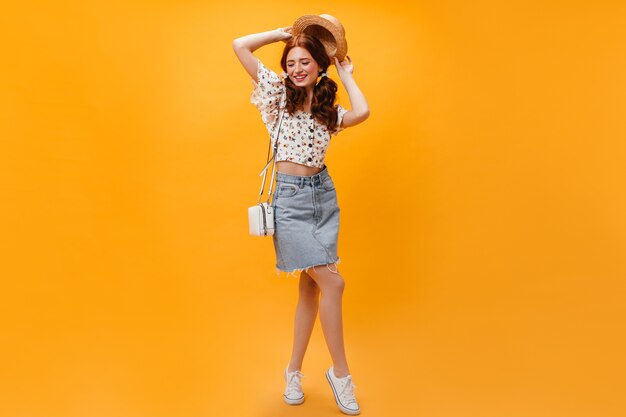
(360,109)
(246,45)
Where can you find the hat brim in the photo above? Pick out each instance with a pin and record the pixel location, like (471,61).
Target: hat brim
(332,36)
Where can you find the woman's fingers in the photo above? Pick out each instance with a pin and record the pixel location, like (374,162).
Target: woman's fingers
(285,33)
(345,65)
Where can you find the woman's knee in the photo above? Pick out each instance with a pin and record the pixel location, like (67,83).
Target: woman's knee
(337,284)
(327,279)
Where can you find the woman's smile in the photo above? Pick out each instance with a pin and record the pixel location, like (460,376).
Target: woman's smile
(300,77)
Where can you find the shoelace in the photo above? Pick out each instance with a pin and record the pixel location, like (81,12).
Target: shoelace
(347,391)
(294,384)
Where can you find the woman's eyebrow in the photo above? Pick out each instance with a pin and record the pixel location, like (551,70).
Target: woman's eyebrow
(301,59)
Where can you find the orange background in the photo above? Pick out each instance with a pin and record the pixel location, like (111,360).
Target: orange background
(483,211)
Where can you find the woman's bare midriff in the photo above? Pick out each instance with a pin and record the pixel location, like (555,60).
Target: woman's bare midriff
(291,168)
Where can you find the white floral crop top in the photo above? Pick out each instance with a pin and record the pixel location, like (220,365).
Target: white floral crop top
(303,139)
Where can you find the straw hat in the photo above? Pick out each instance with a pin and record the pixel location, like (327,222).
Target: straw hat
(327,29)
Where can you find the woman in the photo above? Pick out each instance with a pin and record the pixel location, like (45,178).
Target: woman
(306,210)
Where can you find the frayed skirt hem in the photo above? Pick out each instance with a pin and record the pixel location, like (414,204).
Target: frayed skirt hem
(293,272)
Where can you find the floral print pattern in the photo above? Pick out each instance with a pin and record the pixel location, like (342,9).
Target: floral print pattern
(303,139)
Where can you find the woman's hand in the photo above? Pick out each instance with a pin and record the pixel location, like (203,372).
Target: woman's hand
(345,67)
(284,33)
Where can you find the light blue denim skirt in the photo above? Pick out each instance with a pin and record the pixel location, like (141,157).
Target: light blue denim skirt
(306,216)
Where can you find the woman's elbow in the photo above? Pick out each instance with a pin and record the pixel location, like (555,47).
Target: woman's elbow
(363,115)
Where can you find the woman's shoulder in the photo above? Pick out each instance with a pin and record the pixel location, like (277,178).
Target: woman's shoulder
(268,94)
(267,74)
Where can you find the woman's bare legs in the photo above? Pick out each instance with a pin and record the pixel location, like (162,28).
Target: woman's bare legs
(331,284)
(306,312)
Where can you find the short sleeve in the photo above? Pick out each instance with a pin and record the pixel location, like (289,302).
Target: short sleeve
(340,113)
(267,95)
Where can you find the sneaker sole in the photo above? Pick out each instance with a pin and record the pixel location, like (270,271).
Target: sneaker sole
(293,402)
(341,407)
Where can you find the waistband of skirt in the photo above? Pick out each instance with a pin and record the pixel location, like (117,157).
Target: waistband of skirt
(303,180)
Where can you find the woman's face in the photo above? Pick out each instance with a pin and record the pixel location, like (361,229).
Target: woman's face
(302,68)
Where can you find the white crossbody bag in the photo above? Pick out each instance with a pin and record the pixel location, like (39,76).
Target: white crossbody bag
(261,215)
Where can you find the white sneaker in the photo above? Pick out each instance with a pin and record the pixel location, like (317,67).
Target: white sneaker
(293,392)
(343,388)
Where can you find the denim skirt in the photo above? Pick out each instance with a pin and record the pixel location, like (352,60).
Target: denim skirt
(306,216)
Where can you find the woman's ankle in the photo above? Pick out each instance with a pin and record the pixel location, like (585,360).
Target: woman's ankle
(341,372)
(292,368)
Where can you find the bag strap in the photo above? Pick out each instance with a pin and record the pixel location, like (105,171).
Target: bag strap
(269,160)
